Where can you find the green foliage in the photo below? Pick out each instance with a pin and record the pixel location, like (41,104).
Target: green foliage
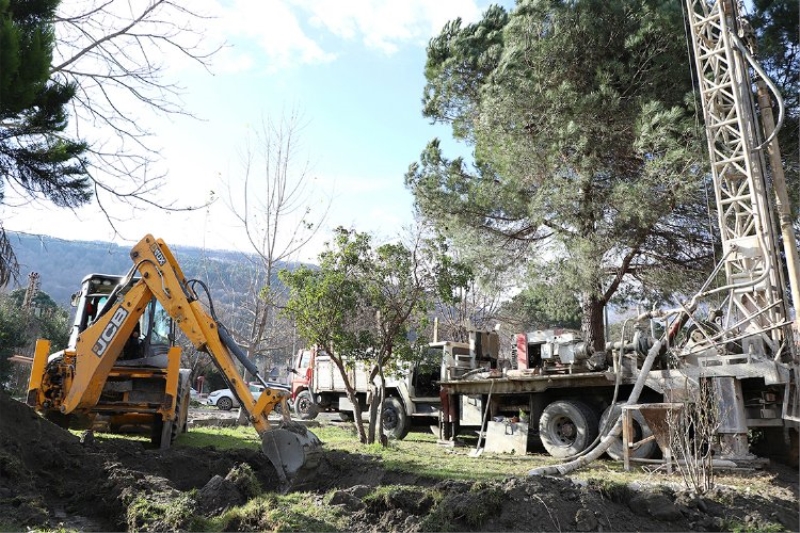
(34,153)
(544,304)
(778,49)
(585,149)
(13,334)
(365,301)
(370,304)
(324,302)
(19,328)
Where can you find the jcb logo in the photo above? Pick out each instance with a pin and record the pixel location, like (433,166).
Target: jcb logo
(159,255)
(110,332)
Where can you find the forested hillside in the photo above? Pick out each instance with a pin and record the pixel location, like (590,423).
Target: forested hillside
(63,264)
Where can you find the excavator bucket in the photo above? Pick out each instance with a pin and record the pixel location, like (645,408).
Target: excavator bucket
(292,449)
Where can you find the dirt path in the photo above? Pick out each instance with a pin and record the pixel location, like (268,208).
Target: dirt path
(49,479)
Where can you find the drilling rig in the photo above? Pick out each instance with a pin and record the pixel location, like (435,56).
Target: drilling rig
(744,350)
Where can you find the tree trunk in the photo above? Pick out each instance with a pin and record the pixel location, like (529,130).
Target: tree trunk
(592,321)
(351,395)
(373,406)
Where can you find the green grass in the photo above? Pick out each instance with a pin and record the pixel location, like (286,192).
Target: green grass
(418,453)
(220,438)
(172,514)
(273,512)
(736,526)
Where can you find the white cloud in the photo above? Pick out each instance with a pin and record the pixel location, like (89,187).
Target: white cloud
(273,28)
(292,32)
(387,24)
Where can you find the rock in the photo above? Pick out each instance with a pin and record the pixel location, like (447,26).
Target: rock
(585,520)
(218,495)
(360,491)
(87,437)
(661,508)
(657,506)
(346,500)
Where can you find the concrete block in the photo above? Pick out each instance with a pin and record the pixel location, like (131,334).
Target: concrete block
(507,437)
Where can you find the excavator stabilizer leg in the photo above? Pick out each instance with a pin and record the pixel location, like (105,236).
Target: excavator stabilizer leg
(292,449)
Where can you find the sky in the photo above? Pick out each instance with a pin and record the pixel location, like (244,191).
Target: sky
(354,69)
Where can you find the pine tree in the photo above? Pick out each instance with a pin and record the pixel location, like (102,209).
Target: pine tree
(587,158)
(36,157)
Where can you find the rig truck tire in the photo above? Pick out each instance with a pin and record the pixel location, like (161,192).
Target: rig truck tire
(396,422)
(567,427)
(640,431)
(304,406)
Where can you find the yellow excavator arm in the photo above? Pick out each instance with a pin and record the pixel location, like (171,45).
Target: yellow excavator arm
(83,372)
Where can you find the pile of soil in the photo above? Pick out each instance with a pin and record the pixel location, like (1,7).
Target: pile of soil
(49,479)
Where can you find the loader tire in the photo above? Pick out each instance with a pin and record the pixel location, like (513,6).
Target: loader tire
(156,431)
(567,427)
(59,419)
(161,432)
(181,424)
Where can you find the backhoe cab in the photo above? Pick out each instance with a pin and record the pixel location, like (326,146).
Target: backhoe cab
(122,367)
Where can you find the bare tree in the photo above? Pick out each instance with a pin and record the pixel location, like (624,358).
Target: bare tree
(115,53)
(271,201)
(691,437)
(478,294)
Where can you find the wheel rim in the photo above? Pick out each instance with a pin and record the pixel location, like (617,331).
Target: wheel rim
(224,404)
(389,418)
(302,405)
(565,430)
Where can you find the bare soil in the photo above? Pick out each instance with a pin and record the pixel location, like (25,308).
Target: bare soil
(49,479)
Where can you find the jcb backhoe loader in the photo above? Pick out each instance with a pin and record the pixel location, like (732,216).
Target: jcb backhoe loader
(122,365)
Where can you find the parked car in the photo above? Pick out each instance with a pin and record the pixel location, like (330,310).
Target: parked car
(193,395)
(225,399)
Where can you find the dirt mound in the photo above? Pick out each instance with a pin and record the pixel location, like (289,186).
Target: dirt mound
(48,479)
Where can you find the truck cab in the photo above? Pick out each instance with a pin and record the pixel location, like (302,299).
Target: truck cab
(412,390)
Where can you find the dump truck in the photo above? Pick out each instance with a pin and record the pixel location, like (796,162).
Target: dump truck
(560,392)
(412,392)
(122,364)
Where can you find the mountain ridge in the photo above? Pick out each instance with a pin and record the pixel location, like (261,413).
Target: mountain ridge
(62,264)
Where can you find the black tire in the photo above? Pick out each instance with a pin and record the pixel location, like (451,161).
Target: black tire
(396,422)
(181,424)
(772,444)
(640,431)
(58,418)
(304,406)
(346,416)
(225,403)
(157,431)
(567,427)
